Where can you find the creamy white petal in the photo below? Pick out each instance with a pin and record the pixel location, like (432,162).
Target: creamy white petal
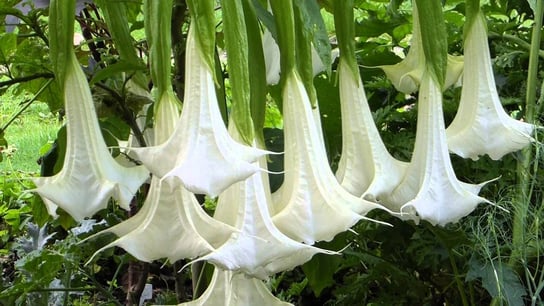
(365,168)
(481,125)
(430,187)
(171,224)
(311,204)
(259,249)
(234,289)
(200,144)
(407,74)
(89,176)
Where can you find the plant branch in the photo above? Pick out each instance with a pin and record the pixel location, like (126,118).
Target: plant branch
(524,193)
(518,41)
(45,75)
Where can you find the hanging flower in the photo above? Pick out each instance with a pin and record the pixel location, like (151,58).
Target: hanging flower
(200,144)
(407,74)
(481,125)
(310,194)
(430,187)
(90,175)
(235,289)
(365,168)
(259,249)
(170,225)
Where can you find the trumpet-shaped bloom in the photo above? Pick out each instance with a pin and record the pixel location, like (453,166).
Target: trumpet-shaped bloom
(235,289)
(407,74)
(259,249)
(481,125)
(310,193)
(200,144)
(430,187)
(170,225)
(90,175)
(366,168)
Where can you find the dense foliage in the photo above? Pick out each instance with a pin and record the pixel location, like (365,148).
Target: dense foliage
(493,256)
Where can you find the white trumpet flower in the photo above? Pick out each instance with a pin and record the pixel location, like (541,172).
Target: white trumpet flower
(200,144)
(171,224)
(407,74)
(430,187)
(365,168)
(259,249)
(90,175)
(235,289)
(481,125)
(310,193)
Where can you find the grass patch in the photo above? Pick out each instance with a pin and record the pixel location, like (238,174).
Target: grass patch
(33,129)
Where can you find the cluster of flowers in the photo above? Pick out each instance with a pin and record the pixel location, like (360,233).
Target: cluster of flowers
(253,233)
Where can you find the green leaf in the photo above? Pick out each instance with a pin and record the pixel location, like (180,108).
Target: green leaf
(316,27)
(8,46)
(433,38)
(498,279)
(321,268)
(115,69)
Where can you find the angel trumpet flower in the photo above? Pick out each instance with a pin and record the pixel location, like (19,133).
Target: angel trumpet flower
(235,289)
(407,74)
(310,193)
(259,249)
(481,125)
(90,175)
(170,225)
(430,187)
(200,144)
(366,168)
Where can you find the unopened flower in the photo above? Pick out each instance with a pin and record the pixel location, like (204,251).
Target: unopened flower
(235,289)
(481,125)
(310,193)
(430,187)
(200,144)
(407,74)
(90,175)
(366,168)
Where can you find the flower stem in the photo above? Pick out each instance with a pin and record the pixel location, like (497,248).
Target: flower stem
(524,177)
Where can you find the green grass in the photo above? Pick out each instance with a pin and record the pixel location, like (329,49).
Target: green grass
(33,129)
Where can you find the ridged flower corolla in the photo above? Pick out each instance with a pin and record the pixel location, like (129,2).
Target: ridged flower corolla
(259,249)
(89,176)
(430,187)
(200,144)
(365,168)
(481,125)
(311,204)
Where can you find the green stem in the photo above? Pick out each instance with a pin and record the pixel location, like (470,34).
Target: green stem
(524,177)
(518,41)
(284,17)
(25,106)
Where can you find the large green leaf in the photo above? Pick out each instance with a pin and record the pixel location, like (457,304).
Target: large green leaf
(498,279)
